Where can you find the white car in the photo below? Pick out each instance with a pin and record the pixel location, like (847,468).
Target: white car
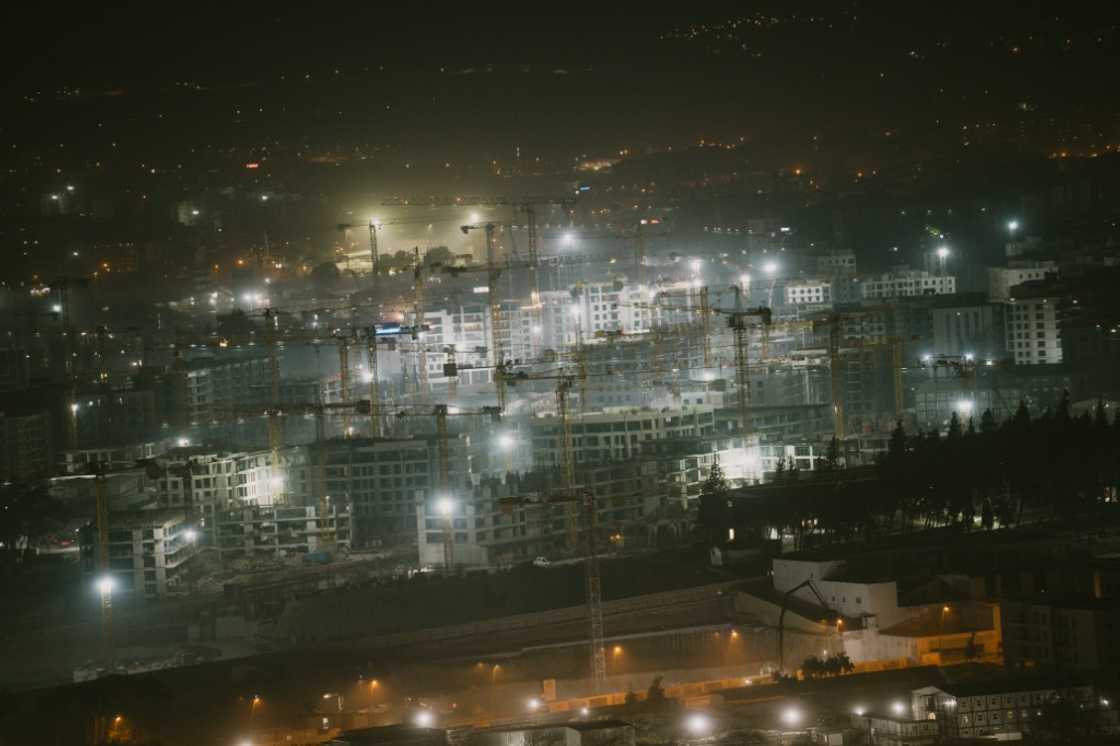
(541,562)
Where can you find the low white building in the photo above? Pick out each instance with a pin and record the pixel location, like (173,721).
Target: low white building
(809,292)
(909,282)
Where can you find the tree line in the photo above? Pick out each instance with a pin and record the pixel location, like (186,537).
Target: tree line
(979,474)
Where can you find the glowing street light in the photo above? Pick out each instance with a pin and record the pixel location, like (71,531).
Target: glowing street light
(105,585)
(698,724)
(57,308)
(898,708)
(791,716)
(533,704)
(424,719)
(584,711)
(183,442)
(506,441)
(943,252)
(1012,226)
(445,506)
(859,711)
(568,240)
(965,407)
(696,264)
(190,535)
(745,280)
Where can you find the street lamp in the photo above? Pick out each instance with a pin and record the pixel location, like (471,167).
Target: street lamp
(771,268)
(791,716)
(1012,226)
(424,719)
(533,704)
(898,708)
(698,724)
(942,255)
(445,506)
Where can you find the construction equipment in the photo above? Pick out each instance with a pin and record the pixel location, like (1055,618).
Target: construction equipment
(807,583)
(493,272)
(583,503)
(834,321)
(564,383)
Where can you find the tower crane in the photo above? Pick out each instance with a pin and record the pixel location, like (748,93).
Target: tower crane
(446,505)
(528,205)
(564,383)
(583,503)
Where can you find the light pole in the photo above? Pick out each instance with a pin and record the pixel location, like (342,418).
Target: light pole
(942,256)
(105,586)
(771,269)
(445,507)
(791,718)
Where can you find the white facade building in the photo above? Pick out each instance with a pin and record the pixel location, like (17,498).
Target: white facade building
(1002,279)
(1033,334)
(808,292)
(907,283)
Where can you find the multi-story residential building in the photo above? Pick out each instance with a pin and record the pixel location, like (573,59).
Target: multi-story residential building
(1033,333)
(487,532)
(269,533)
(1001,280)
(1007,710)
(837,264)
(26,448)
(907,282)
(815,292)
(205,483)
(150,551)
(969,327)
(207,389)
(383,480)
(119,416)
(83,461)
(1061,632)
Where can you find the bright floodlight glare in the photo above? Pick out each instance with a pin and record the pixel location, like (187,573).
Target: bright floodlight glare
(695,264)
(569,239)
(424,719)
(942,252)
(246,742)
(584,711)
(74,408)
(965,406)
(698,724)
(194,212)
(367,377)
(276,482)
(445,506)
(505,441)
(770,267)
(475,217)
(534,704)
(791,716)
(745,278)
(1012,225)
(105,585)
(898,708)
(57,308)
(859,711)
(969,357)
(183,442)
(190,534)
